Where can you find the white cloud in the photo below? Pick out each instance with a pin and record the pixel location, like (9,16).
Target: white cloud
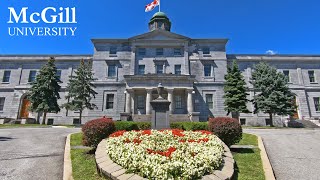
(271,52)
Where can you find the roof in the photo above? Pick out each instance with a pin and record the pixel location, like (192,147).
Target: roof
(160,14)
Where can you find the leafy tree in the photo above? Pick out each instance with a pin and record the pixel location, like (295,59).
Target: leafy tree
(272,94)
(81,90)
(44,92)
(235,92)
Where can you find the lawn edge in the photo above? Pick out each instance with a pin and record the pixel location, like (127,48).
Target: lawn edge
(267,167)
(67,164)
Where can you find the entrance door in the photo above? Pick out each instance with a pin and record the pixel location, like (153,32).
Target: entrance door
(24,113)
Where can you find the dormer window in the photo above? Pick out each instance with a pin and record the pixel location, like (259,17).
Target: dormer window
(142,51)
(113,51)
(206,51)
(177,52)
(159,68)
(159,51)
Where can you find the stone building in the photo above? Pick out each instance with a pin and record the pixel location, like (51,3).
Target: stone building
(129,70)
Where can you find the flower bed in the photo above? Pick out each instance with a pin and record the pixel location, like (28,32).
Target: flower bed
(167,154)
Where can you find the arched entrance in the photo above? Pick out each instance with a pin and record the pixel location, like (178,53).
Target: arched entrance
(24,110)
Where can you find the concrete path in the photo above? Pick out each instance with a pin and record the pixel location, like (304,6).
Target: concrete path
(294,153)
(32,153)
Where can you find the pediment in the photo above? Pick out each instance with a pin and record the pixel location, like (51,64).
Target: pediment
(159,35)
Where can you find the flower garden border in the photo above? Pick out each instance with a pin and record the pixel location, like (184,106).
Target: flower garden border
(110,169)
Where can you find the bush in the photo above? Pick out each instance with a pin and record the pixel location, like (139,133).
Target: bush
(144,125)
(227,129)
(130,125)
(96,130)
(189,126)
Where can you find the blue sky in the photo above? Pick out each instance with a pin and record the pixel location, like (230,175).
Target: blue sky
(253,26)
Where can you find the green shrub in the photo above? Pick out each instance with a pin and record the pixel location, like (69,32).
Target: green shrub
(96,130)
(189,126)
(227,129)
(126,125)
(144,125)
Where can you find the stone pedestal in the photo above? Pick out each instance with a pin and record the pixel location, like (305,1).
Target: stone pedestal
(160,114)
(125,117)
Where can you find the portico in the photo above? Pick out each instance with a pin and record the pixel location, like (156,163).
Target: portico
(178,90)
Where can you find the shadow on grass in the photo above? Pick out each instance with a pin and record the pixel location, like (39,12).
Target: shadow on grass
(6,138)
(242,150)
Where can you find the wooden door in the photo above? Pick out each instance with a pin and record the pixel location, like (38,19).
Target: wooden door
(24,113)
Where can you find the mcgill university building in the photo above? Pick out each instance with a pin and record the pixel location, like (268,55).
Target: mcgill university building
(128,72)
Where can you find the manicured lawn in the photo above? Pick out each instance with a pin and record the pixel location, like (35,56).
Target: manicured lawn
(248,161)
(22,125)
(83,164)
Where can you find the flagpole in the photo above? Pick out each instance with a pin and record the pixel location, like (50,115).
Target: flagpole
(159,5)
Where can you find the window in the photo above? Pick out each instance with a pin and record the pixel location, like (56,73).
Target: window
(209,100)
(207,70)
(32,76)
(113,50)
(2,99)
(311,76)
(142,51)
(287,74)
(177,52)
(206,51)
(159,51)
(177,69)
(58,74)
(178,102)
(317,103)
(110,101)
(141,69)
(243,121)
(141,102)
(50,121)
(159,69)
(6,76)
(112,71)
(76,121)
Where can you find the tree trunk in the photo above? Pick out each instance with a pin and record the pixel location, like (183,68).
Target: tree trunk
(271,120)
(44,118)
(80,118)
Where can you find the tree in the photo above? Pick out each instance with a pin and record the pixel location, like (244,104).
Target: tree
(235,92)
(272,94)
(44,93)
(81,90)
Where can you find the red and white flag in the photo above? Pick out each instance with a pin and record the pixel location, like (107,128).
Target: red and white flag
(152,5)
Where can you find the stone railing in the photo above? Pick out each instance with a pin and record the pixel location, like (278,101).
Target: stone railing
(110,169)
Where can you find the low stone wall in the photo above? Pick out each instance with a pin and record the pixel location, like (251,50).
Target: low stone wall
(110,169)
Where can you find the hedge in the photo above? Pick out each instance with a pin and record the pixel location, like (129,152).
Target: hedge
(189,126)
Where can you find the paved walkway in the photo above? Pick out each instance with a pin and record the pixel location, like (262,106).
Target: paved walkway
(32,153)
(294,153)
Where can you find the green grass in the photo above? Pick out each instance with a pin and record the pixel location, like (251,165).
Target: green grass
(248,139)
(22,125)
(248,161)
(83,164)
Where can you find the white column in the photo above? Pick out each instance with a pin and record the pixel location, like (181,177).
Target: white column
(128,102)
(189,101)
(170,99)
(148,100)
(132,102)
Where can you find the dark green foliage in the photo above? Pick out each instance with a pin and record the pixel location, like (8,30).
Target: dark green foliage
(189,126)
(235,91)
(44,92)
(227,129)
(96,130)
(130,125)
(81,90)
(272,94)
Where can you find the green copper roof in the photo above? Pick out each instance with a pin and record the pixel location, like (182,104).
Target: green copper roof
(159,14)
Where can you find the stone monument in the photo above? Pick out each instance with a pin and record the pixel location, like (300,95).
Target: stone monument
(160,112)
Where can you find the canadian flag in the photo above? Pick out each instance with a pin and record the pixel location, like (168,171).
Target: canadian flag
(152,5)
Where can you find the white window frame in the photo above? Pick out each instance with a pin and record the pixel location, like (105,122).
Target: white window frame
(211,102)
(4,76)
(35,76)
(178,102)
(107,101)
(314,76)
(115,70)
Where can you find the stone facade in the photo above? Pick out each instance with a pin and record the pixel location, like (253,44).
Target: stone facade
(129,70)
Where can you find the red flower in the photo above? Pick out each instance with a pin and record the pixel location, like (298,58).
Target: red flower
(177,132)
(204,132)
(117,134)
(146,132)
(127,141)
(137,141)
